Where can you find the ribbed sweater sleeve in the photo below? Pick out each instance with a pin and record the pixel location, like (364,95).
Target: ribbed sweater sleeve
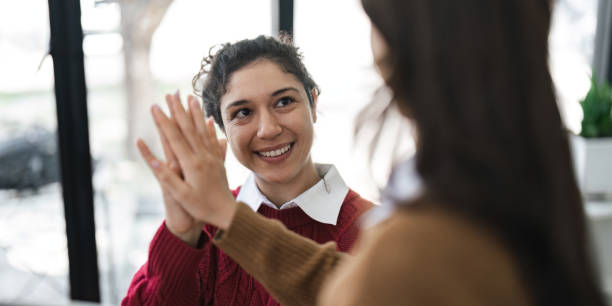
(171,275)
(268,251)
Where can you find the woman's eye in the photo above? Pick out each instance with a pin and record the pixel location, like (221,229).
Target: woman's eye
(241,113)
(282,102)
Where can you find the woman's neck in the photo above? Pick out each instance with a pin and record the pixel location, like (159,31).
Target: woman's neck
(281,193)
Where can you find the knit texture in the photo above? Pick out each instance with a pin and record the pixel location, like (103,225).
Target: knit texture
(177,274)
(418,256)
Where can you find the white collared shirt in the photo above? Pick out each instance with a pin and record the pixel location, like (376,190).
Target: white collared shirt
(404,185)
(321,202)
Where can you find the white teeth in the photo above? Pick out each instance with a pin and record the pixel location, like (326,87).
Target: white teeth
(275,153)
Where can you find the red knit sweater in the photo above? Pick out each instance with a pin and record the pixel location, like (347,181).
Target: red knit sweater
(177,274)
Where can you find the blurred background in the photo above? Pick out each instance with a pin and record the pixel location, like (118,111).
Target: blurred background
(134,53)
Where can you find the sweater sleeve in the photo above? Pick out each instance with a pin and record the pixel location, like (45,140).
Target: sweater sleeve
(171,276)
(425,259)
(268,251)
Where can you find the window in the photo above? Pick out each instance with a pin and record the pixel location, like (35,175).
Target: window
(128,202)
(33,252)
(571,54)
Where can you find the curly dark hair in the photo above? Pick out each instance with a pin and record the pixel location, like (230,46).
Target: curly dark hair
(217,67)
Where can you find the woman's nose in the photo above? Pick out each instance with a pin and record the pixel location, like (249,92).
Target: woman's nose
(269,126)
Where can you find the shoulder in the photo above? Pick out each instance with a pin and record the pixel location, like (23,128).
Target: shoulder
(434,236)
(354,205)
(347,227)
(351,210)
(429,254)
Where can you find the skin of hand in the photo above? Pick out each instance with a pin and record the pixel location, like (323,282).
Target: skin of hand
(178,221)
(202,193)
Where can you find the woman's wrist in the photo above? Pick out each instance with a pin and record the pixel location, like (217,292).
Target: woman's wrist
(226,213)
(190,237)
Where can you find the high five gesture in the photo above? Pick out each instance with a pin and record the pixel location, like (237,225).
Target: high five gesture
(203,191)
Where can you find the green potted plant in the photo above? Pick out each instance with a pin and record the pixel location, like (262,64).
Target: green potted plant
(593,149)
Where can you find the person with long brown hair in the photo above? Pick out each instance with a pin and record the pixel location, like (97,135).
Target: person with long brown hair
(499,220)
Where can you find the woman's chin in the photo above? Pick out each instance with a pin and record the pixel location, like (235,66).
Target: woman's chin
(273,178)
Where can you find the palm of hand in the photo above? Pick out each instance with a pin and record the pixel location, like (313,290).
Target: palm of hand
(194,180)
(178,220)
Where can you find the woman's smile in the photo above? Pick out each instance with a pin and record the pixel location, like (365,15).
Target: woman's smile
(269,123)
(275,154)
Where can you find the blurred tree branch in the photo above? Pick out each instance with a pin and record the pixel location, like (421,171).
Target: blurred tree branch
(139,21)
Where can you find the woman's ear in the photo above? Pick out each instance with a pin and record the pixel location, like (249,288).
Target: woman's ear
(313,108)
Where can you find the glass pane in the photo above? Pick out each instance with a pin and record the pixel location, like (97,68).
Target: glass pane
(571,54)
(338,56)
(33,252)
(164,52)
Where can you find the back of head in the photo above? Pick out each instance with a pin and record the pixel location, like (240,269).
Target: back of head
(473,75)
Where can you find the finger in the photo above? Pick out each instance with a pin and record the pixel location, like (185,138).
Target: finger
(178,144)
(145,152)
(198,119)
(171,160)
(223,143)
(212,135)
(211,128)
(148,156)
(167,179)
(179,115)
(184,121)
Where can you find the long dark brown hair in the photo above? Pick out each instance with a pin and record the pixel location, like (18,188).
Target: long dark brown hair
(473,77)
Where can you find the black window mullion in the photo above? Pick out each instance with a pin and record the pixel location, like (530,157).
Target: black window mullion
(282,16)
(75,158)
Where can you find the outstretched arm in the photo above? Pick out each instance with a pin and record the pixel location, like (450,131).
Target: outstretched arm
(179,271)
(291,267)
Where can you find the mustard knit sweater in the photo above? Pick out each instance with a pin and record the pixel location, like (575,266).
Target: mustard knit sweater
(419,256)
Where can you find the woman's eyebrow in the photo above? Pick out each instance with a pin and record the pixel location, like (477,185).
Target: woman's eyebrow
(280,91)
(236,103)
(275,93)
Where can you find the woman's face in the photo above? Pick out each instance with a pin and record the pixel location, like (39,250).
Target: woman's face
(268,121)
(379,51)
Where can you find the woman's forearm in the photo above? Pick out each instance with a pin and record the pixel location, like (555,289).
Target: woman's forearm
(170,276)
(291,267)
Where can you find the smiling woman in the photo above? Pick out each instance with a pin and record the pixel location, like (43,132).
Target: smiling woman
(263,98)
(269,125)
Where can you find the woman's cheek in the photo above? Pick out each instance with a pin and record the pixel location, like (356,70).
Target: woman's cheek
(239,140)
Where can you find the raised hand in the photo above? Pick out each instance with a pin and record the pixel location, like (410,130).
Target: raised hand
(178,221)
(203,191)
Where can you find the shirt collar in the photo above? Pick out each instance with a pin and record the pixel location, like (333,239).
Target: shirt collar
(404,185)
(321,202)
